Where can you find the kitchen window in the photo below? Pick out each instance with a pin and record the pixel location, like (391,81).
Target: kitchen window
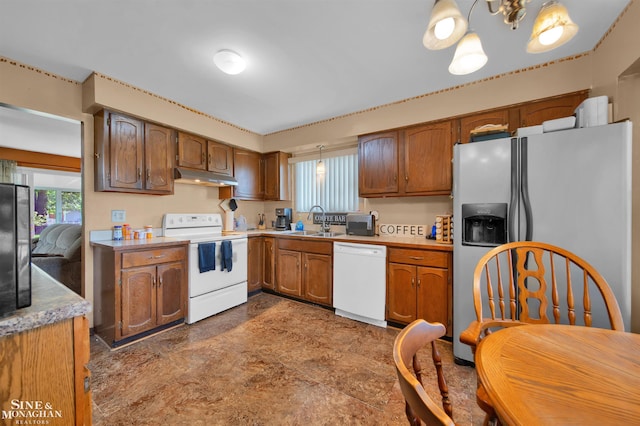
(336,190)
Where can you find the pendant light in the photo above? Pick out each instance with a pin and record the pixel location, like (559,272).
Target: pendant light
(552,28)
(446,26)
(320,165)
(469,56)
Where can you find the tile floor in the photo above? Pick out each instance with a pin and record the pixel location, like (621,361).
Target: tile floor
(271,361)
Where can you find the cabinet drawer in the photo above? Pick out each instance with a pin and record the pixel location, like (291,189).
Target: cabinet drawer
(433,258)
(306,245)
(152,257)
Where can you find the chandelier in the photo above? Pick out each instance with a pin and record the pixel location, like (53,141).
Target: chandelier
(552,28)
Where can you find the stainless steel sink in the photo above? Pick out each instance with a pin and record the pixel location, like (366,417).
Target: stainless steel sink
(310,233)
(300,232)
(327,234)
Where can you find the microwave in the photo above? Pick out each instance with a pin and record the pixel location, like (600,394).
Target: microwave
(15,248)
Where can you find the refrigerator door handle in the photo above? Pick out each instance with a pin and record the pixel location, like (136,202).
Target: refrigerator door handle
(525,190)
(513,202)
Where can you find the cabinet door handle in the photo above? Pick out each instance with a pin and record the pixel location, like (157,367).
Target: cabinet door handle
(416,257)
(160,256)
(148,174)
(418,282)
(413,281)
(209,158)
(204,157)
(160,281)
(139,173)
(406,178)
(154,282)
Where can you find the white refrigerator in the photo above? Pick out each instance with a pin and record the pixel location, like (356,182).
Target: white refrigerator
(569,188)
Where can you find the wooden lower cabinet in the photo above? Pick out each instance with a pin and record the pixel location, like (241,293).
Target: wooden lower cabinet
(255,266)
(138,288)
(48,364)
(305,270)
(290,272)
(269,263)
(261,266)
(419,286)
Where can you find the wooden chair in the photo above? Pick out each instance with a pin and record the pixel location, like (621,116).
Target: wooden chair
(520,284)
(418,404)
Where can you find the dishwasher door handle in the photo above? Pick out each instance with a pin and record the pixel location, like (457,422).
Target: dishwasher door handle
(359,249)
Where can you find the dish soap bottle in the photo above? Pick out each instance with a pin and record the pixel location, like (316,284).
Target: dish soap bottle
(299,226)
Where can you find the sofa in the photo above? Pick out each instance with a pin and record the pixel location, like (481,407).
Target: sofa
(58,252)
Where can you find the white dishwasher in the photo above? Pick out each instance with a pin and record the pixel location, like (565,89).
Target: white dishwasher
(359,282)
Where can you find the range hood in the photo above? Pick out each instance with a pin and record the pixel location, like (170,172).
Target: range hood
(202,177)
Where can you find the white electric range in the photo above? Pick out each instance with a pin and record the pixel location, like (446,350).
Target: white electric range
(217,290)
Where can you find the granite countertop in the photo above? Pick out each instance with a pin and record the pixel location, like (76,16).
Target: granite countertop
(394,241)
(51,302)
(155,241)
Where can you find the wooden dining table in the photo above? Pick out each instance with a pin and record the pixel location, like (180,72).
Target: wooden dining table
(561,375)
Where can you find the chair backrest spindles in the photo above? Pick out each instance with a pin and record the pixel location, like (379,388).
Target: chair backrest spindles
(535,282)
(418,404)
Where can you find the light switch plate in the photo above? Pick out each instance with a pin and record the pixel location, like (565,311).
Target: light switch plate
(118,216)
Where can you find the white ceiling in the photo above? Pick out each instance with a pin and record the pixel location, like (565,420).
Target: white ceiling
(308,60)
(32,131)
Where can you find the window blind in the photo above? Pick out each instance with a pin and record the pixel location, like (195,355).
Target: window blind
(335,191)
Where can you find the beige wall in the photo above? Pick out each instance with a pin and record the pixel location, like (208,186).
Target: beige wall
(30,88)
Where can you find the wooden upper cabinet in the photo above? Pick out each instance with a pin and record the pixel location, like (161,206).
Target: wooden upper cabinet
(192,151)
(219,158)
(259,176)
(132,155)
(248,169)
(159,153)
(378,164)
(500,116)
(276,176)
(407,162)
(126,150)
(427,155)
(535,113)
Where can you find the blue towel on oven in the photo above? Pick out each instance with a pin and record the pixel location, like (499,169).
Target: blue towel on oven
(207,257)
(226,256)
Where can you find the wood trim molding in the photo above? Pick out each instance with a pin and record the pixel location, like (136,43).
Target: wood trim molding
(40,160)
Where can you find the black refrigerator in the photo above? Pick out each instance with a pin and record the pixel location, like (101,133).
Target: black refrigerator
(15,248)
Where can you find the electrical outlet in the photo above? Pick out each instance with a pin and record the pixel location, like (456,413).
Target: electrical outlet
(118,216)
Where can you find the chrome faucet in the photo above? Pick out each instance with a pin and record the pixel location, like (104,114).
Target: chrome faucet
(324,227)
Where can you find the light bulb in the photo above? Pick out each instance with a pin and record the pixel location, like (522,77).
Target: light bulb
(551,35)
(444,28)
(320,168)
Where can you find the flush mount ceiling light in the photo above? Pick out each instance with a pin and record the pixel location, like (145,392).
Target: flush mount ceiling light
(552,28)
(229,62)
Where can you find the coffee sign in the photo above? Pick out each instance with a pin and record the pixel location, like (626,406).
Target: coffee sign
(395,230)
